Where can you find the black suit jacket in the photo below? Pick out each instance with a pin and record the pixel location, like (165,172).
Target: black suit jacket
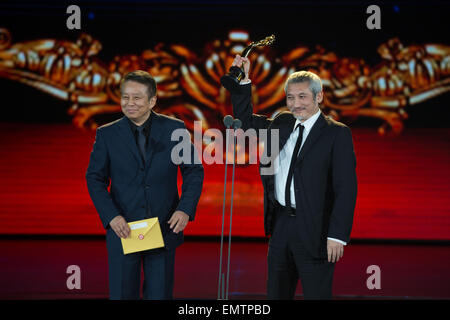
(324,175)
(140,191)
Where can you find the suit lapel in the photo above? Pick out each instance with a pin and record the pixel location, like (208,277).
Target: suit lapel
(127,137)
(315,133)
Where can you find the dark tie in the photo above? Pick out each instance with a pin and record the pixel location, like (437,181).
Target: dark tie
(287,191)
(141,141)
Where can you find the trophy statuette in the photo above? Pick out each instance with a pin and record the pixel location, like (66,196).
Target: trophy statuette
(231,80)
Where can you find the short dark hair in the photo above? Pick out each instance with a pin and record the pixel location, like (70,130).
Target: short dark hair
(142,77)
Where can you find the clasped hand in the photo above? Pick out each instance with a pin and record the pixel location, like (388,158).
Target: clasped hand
(178,222)
(242,62)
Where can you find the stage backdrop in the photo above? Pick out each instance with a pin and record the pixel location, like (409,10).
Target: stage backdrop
(390,85)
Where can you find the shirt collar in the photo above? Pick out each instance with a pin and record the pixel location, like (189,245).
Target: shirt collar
(308,124)
(146,124)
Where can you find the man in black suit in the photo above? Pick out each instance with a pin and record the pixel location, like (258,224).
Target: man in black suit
(134,154)
(310,197)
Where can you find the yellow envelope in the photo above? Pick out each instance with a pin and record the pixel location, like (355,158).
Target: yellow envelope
(145,234)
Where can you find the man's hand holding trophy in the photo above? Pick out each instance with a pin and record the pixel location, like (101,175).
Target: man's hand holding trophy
(240,68)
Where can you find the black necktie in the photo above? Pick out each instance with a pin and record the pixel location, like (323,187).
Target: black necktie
(287,191)
(141,141)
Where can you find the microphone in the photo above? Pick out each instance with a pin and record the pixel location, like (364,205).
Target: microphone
(228,121)
(237,124)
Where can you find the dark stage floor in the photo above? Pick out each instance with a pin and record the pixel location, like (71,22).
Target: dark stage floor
(36,269)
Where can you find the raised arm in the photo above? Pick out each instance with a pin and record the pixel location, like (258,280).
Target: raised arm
(242,100)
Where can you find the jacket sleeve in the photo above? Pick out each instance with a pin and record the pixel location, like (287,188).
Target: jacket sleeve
(344,186)
(191,188)
(243,109)
(98,180)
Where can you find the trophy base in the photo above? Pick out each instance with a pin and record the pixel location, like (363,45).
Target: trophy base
(231,80)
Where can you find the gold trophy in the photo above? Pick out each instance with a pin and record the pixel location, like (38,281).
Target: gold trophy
(231,80)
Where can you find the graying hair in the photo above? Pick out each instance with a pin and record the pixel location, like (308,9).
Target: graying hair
(315,84)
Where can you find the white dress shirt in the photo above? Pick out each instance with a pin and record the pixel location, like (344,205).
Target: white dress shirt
(284,159)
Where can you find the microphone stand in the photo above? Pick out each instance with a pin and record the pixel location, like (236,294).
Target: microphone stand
(236,124)
(228,121)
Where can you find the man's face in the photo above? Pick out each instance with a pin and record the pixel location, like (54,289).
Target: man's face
(135,102)
(300,101)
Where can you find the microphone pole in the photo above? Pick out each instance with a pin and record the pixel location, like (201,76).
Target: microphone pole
(236,125)
(228,121)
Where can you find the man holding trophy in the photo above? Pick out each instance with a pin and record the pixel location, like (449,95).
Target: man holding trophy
(310,196)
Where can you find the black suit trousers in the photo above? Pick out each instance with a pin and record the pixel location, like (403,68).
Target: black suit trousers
(125,272)
(289,261)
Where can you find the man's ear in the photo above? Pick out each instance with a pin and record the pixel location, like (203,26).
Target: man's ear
(153,101)
(319,97)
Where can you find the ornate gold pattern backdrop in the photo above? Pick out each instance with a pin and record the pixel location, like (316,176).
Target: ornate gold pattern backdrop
(189,81)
